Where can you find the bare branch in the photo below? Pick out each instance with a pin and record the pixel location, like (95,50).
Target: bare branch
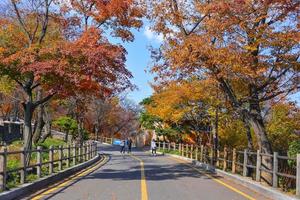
(21,21)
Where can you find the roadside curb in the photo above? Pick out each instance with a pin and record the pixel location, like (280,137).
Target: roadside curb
(30,188)
(257,187)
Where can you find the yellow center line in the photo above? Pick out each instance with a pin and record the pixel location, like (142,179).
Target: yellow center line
(215,179)
(70,179)
(144,193)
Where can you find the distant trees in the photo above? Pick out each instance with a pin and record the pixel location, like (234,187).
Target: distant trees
(53,49)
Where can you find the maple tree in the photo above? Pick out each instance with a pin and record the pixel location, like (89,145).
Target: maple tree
(48,50)
(251,48)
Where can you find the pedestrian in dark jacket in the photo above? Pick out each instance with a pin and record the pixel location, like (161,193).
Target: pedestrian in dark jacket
(129,145)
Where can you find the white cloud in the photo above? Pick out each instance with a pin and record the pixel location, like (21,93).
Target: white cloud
(152,35)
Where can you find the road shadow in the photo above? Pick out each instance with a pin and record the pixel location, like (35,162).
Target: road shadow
(63,188)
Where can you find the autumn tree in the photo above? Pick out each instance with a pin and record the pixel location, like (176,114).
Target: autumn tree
(44,46)
(251,48)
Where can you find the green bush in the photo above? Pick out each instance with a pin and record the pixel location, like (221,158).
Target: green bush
(294,149)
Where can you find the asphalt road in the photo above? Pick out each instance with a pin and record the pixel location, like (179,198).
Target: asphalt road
(166,178)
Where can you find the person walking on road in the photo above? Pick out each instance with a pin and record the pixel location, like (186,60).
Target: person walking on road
(153,147)
(129,145)
(122,145)
(126,145)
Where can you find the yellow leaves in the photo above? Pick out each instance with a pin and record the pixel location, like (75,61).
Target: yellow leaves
(250,48)
(6,85)
(175,100)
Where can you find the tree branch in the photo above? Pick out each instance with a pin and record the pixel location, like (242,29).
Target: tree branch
(45,22)
(21,21)
(44,100)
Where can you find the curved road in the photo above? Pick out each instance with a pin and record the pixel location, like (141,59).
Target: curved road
(143,177)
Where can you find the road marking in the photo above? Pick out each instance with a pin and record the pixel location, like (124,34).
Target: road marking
(215,179)
(144,193)
(70,179)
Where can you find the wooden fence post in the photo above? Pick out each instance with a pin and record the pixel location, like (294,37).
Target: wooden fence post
(192,151)
(91,150)
(88,151)
(74,154)
(233,167)
(39,162)
(174,147)
(197,153)
(182,149)
(68,156)
(245,163)
(187,151)
(159,145)
(225,159)
(275,169)
(169,146)
(84,152)
(23,166)
(212,156)
(79,153)
(205,154)
(95,146)
(94,149)
(3,162)
(201,153)
(60,157)
(298,176)
(164,146)
(258,165)
(218,161)
(51,154)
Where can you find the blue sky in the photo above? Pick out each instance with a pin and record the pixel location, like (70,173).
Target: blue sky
(138,60)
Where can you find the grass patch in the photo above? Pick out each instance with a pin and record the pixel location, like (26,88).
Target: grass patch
(51,142)
(171,151)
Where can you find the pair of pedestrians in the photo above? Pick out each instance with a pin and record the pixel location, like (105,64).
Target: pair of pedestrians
(126,144)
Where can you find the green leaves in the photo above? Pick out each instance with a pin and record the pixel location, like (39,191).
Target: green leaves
(66,123)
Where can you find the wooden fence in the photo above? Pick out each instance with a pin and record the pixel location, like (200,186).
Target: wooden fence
(51,160)
(245,163)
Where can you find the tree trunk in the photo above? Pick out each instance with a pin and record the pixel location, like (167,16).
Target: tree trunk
(16,104)
(250,145)
(97,132)
(254,118)
(216,136)
(39,124)
(80,131)
(66,135)
(48,123)
(27,134)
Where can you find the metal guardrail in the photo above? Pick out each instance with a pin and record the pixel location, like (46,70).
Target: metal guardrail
(65,157)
